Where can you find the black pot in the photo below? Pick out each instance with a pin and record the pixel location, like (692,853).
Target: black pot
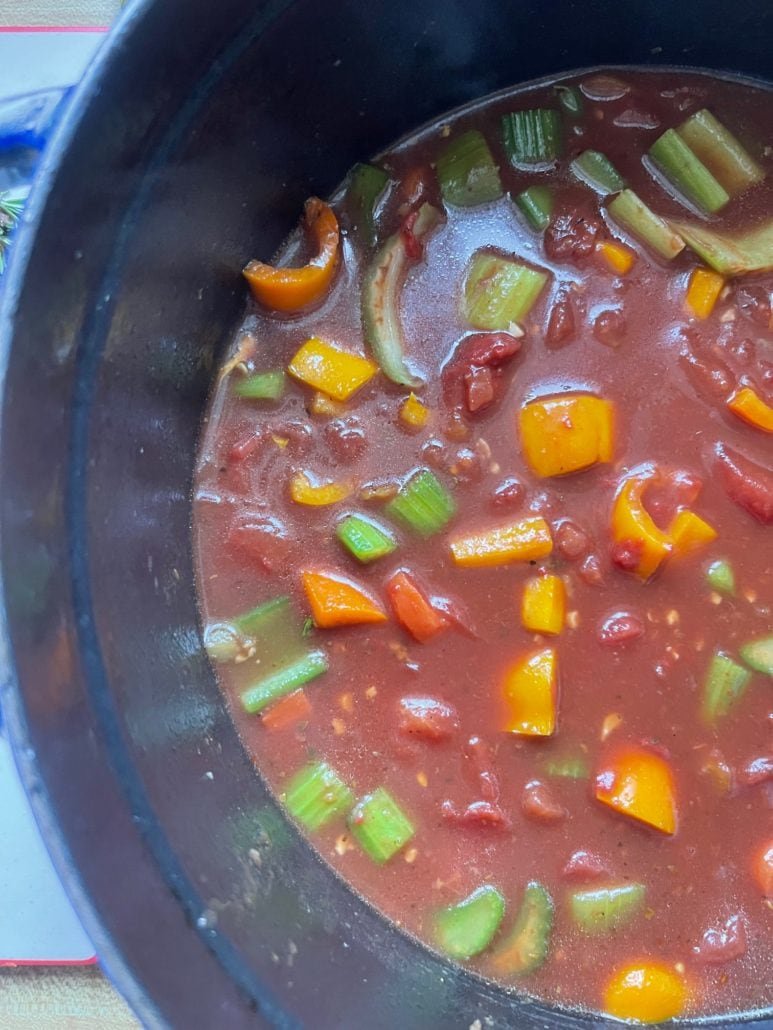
(190,147)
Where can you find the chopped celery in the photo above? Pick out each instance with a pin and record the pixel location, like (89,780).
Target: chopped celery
(604,909)
(283,681)
(687,173)
(499,291)
(264,386)
(721,152)
(380,304)
(724,685)
(467,928)
(536,203)
(634,215)
(526,947)
(571,767)
(257,627)
(720,577)
(364,538)
(316,794)
(570,99)
(731,255)
(423,503)
(467,172)
(597,171)
(367,185)
(532,137)
(758,655)
(380,825)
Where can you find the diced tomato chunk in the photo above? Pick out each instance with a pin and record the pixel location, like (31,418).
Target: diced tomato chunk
(427,718)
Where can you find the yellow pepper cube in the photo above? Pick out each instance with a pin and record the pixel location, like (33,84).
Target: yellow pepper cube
(530,693)
(645,991)
(543,605)
(689,532)
(413,413)
(633,526)
(324,406)
(335,372)
(518,541)
(303,490)
(617,257)
(567,433)
(748,405)
(639,783)
(703,291)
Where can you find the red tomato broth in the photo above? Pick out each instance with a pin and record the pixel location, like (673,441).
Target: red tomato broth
(667,415)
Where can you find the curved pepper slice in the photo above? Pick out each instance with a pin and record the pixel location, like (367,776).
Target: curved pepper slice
(647,991)
(639,783)
(290,289)
(632,525)
(748,405)
(303,490)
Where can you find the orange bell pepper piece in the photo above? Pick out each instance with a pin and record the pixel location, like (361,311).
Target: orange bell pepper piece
(567,433)
(646,991)
(287,711)
(632,524)
(336,372)
(689,532)
(518,541)
(543,605)
(413,609)
(336,601)
(316,495)
(639,783)
(703,291)
(290,289)
(618,258)
(530,691)
(748,405)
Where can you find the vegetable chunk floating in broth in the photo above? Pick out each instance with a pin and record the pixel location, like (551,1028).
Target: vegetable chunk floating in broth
(484,522)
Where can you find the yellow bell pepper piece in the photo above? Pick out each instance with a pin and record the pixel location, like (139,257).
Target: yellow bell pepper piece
(748,405)
(517,541)
(316,495)
(639,783)
(647,991)
(703,291)
(335,372)
(619,258)
(543,605)
(567,433)
(413,413)
(689,532)
(326,407)
(530,691)
(632,524)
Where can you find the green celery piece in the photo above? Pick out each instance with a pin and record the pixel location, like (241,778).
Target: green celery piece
(634,215)
(526,947)
(602,910)
(380,300)
(367,185)
(720,577)
(687,173)
(758,655)
(723,687)
(731,255)
(284,681)
(499,291)
(532,137)
(570,99)
(380,825)
(317,794)
(467,172)
(571,767)
(364,538)
(468,927)
(263,386)
(423,503)
(597,171)
(536,203)
(724,156)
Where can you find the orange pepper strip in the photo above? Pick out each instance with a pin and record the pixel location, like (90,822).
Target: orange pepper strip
(748,405)
(689,532)
(290,289)
(646,991)
(632,524)
(412,608)
(336,601)
(639,783)
(703,291)
(287,711)
(530,691)
(518,541)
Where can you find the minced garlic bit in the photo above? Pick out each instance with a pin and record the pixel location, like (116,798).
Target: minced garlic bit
(371,692)
(610,724)
(750,595)
(715,598)
(410,855)
(339,727)
(672,617)
(343,844)
(679,967)
(421,779)
(573,619)
(346,701)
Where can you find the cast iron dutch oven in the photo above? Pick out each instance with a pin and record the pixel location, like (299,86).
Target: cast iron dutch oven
(189,148)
